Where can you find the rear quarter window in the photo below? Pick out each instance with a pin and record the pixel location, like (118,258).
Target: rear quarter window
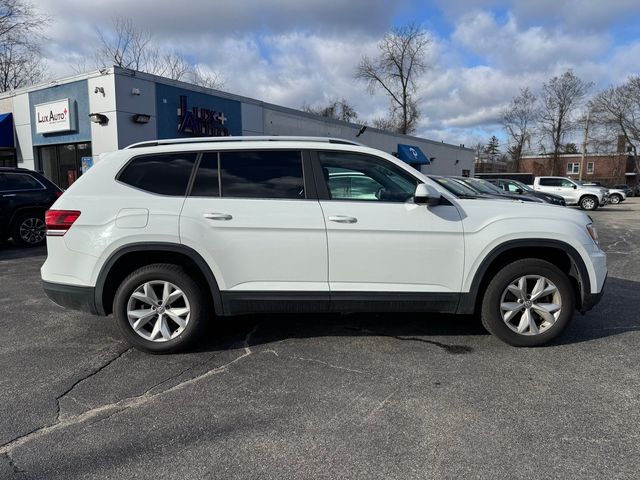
(165,174)
(19,181)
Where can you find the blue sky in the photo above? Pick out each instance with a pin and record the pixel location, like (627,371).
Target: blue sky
(292,52)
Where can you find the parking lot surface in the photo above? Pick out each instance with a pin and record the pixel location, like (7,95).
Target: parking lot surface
(323,396)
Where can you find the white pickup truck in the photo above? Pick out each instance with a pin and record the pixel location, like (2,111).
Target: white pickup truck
(588,197)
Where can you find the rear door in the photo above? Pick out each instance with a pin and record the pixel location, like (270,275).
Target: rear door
(255,215)
(383,248)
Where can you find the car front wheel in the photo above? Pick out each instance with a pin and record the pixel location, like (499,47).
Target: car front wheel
(160,309)
(528,303)
(588,203)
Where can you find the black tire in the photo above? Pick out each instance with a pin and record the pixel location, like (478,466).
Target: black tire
(589,202)
(491,313)
(615,199)
(197,303)
(29,230)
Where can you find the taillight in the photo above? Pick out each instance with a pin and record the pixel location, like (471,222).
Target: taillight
(59,221)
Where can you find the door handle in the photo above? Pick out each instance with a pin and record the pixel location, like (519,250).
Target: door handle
(342,219)
(217,216)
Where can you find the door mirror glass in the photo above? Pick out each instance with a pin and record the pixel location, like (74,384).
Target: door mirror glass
(426,195)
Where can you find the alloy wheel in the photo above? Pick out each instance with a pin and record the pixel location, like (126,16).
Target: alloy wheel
(158,311)
(32,230)
(530,305)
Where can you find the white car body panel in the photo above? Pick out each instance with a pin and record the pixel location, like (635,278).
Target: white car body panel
(290,245)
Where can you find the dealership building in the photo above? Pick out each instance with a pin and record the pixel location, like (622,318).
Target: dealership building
(61,127)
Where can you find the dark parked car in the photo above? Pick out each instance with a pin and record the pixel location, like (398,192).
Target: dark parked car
(24,197)
(515,187)
(487,188)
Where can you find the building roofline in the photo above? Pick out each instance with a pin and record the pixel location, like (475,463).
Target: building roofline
(114,70)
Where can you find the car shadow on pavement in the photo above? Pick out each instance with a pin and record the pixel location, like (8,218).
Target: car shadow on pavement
(9,251)
(614,315)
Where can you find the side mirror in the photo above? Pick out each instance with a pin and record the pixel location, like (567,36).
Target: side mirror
(574,186)
(426,195)
(519,190)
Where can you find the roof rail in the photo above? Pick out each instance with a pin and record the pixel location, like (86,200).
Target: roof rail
(177,141)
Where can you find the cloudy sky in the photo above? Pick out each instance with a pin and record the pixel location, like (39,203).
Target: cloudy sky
(294,51)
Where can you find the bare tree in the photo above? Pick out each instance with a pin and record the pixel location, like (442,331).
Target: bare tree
(395,70)
(518,119)
(337,109)
(206,79)
(561,97)
(617,111)
(128,46)
(20,32)
(125,46)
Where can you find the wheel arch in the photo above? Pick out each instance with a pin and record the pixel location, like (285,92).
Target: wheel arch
(130,257)
(561,254)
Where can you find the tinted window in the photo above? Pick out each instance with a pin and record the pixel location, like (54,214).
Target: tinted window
(262,174)
(19,181)
(166,174)
(358,177)
(206,182)
(551,182)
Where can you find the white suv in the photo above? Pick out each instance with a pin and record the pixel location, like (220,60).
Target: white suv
(168,235)
(574,192)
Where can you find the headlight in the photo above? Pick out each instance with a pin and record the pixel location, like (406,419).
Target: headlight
(591,230)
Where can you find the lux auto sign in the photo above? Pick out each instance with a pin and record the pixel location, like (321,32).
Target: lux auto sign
(53,117)
(201,122)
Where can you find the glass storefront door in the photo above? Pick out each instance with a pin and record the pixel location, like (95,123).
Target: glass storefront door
(62,163)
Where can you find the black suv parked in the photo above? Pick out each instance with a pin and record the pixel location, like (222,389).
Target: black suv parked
(24,197)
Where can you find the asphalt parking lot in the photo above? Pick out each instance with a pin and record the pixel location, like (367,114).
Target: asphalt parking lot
(352,396)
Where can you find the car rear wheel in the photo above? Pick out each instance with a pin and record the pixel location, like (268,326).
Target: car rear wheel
(29,230)
(615,199)
(160,309)
(588,202)
(528,303)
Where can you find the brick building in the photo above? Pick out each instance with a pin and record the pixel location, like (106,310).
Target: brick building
(607,168)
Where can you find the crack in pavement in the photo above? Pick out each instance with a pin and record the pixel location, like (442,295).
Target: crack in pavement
(120,405)
(86,377)
(338,367)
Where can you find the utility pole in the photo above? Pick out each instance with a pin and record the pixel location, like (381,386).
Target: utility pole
(584,145)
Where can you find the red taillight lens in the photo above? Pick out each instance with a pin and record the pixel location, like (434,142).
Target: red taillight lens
(59,221)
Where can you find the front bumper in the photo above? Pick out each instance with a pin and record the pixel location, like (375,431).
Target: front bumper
(71,296)
(590,300)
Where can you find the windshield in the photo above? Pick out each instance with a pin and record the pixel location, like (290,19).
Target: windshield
(481,186)
(524,187)
(458,189)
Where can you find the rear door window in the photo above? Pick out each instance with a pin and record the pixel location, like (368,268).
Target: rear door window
(166,174)
(262,174)
(550,182)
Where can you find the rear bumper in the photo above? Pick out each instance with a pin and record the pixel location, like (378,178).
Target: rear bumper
(71,296)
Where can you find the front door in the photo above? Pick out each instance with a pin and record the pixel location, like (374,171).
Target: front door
(380,241)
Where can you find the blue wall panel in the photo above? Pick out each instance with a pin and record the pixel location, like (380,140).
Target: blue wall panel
(78,96)
(168,101)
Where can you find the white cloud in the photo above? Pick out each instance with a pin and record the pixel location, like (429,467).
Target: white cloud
(290,52)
